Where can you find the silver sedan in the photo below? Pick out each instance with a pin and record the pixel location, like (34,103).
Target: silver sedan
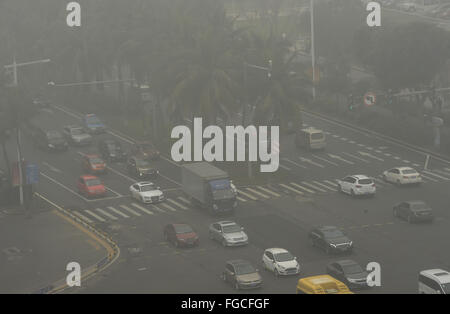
(228,233)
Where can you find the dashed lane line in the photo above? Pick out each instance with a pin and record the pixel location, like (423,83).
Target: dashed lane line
(302,188)
(325,160)
(325,186)
(294,163)
(247,195)
(358,158)
(313,186)
(82,216)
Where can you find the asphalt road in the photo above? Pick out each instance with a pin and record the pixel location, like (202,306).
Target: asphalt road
(279,215)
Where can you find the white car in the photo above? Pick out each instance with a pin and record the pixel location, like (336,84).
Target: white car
(402,175)
(357,185)
(146,192)
(280,262)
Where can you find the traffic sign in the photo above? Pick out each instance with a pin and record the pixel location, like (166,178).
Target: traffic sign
(32,174)
(370,99)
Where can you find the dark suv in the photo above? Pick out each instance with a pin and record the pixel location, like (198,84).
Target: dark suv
(111,150)
(51,140)
(330,239)
(140,168)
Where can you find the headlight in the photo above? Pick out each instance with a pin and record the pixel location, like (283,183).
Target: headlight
(141,174)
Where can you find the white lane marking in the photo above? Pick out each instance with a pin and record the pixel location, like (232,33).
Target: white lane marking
(294,163)
(145,210)
(440,172)
(344,139)
(247,195)
(82,216)
(292,189)
(117,194)
(370,155)
(448,169)
(284,167)
(257,193)
(361,145)
(94,215)
(378,151)
(335,136)
(158,209)
(168,207)
(177,204)
(118,212)
(397,158)
(54,169)
(106,214)
(406,161)
(326,160)
(332,183)
(302,188)
(268,191)
(358,158)
(181,198)
(387,154)
(309,161)
(416,165)
(352,142)
(369,148)
(313,186)
(325,186)
(128,209)
(341,159)
(428,178)
(436,175)
(64,187)
(241,199)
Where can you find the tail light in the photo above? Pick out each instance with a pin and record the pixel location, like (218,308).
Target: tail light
(373,184)
(359,186)
(405,177)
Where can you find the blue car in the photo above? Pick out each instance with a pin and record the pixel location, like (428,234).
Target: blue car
(93,125)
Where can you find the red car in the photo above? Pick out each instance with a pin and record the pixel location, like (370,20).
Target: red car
(145,149)
(180,235)
(90,186)
(93,164)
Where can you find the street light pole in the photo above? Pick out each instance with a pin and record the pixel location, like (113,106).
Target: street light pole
(313,52)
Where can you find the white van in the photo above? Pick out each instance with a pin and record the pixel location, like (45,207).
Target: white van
(434,281)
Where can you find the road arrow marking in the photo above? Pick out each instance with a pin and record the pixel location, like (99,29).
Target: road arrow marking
(370,155)
(341,159)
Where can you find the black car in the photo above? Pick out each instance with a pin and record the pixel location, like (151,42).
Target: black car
(111,150)
(330,239)
(349,272)
(413,211)
(140,168)
(51,140)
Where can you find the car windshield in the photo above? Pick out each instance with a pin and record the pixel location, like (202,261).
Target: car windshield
(141,163)
(353,269)
(446,288)
(284,257)
(419,206)
(148,188)
(365,181)
(243,269)
(180,229)
(333,233)
(409,171)
(93,182)
(77,131)
(95,160)
(54,135)
(231,229)
(93,120)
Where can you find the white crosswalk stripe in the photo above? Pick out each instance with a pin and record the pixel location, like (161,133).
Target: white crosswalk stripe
(331,183)
(145,210)
(302,188)
(168,207)
(94,215)
(181,198)
(269,191)
(436,175)
(325,186)
(441,172)
(291,189)
(118,212)
(158,209)
(313,186)
(247,195)
(241,199)
(106,214)
(257,193)
(428,178)
(128,209)
(82,216)
(177,204)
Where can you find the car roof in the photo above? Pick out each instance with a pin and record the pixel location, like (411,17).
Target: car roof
(404,168)
(88,177)
(277,250)
(440,275)
(226,222)
(144,183)
(360,176)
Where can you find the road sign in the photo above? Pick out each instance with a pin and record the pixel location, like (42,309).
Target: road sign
(370,99)
(32,174)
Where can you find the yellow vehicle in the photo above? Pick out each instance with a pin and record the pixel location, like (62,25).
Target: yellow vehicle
(310,138)
(323,284)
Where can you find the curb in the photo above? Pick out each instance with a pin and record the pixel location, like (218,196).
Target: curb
(103,238)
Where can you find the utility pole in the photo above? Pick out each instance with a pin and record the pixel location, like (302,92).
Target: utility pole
(313,51)
(14,67)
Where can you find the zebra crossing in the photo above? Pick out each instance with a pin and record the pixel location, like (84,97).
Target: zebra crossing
(244,194)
